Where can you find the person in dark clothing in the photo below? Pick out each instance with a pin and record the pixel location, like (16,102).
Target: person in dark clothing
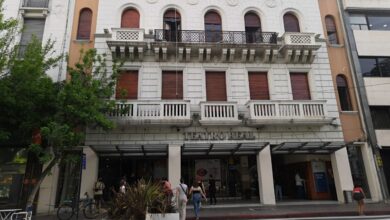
(212,190)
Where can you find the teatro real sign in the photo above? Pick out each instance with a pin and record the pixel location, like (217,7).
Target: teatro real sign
(215,136)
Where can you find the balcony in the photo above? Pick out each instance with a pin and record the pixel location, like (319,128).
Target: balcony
(152,113)
(299,47)
(35,8)
(226,46)
(128,43)
(219,113)
(272,112)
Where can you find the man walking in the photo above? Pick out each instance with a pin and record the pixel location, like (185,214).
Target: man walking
(212,190)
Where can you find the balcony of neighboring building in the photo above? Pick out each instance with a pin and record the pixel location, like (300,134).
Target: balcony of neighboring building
(275,112)
(299,47)
(162,112)
(35,8)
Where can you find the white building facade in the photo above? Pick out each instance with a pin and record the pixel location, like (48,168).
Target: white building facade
(219,87)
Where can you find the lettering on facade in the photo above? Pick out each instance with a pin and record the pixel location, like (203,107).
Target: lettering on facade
(219,136)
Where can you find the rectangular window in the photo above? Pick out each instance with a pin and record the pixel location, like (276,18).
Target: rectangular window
(172,85)
(375,66)
(31,27)
(300,86)
(127,85)
(370,21)
(258,85)
(380,116)
(216,86)
(358,21)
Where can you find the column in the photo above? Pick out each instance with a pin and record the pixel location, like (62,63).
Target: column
(265,175)
(174,164)
(341,172)
(89,173)
(371,172)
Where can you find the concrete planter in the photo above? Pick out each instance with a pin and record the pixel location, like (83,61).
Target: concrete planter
(167,216)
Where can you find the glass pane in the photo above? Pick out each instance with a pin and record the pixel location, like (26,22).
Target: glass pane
(357,19)
(357,169)
(380,117)
(369,67)
(384,64)
(379,22)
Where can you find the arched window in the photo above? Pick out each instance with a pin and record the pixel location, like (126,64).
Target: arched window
(291,23)
(331,30)
(342,89)
(172,25)
(252,28)
(85,23)
(213,27)
(130,18)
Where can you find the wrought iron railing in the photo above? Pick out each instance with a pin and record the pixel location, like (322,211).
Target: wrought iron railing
(36,3)
(230,37)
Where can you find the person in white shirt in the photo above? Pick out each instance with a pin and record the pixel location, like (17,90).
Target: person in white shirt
(181,196)
(98,194)
(299,186)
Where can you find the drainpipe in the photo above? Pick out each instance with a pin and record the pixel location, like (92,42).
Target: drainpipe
(64,43)
(362,101)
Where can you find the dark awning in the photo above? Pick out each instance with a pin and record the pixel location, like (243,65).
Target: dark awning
(211,149)
(307,147)
(131,150)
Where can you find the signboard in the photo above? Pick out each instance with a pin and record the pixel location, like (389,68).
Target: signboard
(321,182)
(218,136)
(203,169)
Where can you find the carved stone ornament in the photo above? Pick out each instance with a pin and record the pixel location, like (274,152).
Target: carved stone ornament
(232,2)
(271,3)
(192,2)
(151,1)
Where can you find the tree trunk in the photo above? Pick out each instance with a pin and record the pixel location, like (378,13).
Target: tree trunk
(45,172)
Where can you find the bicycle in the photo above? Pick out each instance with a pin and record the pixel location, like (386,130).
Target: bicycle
(68,208)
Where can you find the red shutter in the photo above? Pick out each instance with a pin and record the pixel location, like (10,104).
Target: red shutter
(216,86)
(127,85)
(85,23)
(300,86)
(130,19)
(172,85)
(252,20)
(258,85)
(212,18)
(291,23)
(330,24)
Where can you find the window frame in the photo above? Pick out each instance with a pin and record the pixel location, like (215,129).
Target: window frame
(377,63)
(79,34)
(344,101)
(289,13)
(336,40)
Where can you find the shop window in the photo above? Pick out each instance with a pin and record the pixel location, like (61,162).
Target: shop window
(213,27)
(300,86)
(85,23)
(375,66)
(130,18)
(216,86)
(343,91)
(380,116)
(172,85)
(291,23)
(258,85)
(172,25)
(252,28)
(331,30)
(127,85)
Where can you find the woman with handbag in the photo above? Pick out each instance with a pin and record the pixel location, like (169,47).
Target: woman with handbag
(197,195)
(181,196)
(358,195)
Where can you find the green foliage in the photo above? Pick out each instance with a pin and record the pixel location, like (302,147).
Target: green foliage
(139,198)
(8,31)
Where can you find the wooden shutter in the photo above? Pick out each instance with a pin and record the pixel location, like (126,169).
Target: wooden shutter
(330,24)
(216,86)
(300,86)
(172,85)
(212,17)
(130,19)
(291,23)
(127,85)
(32,27)
(252,20)
(172,15)
(258,85)
(85,22)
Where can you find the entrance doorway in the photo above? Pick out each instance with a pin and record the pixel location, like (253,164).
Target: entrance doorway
(303,177)
(236,176)
(113,169)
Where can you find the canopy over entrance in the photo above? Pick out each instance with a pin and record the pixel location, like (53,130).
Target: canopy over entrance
(307,147)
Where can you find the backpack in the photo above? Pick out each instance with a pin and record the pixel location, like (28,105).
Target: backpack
(357,195)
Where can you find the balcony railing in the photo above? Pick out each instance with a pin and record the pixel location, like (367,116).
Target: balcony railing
(296,38)
(151,110)
(229,37)
(218,111)
(271,109)
(36,3)
(127,34)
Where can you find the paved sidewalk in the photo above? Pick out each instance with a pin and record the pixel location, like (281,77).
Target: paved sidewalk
(282,210)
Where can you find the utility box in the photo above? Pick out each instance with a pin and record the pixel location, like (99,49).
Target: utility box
(347,196)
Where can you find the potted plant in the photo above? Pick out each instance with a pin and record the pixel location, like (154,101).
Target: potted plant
(143,200)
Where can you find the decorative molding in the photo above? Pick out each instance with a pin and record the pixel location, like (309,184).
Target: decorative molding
(152,1)
(271,3)
(232,2)
(192,2)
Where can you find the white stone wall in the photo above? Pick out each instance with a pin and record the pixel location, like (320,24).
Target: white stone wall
(11,8)
(149,85)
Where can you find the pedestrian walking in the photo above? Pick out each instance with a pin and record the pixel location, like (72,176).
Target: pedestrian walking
(358,195)
(212,190)
(299,186)
(197,195)
(122,187)
(98,192)
(181,195)
(167,189)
